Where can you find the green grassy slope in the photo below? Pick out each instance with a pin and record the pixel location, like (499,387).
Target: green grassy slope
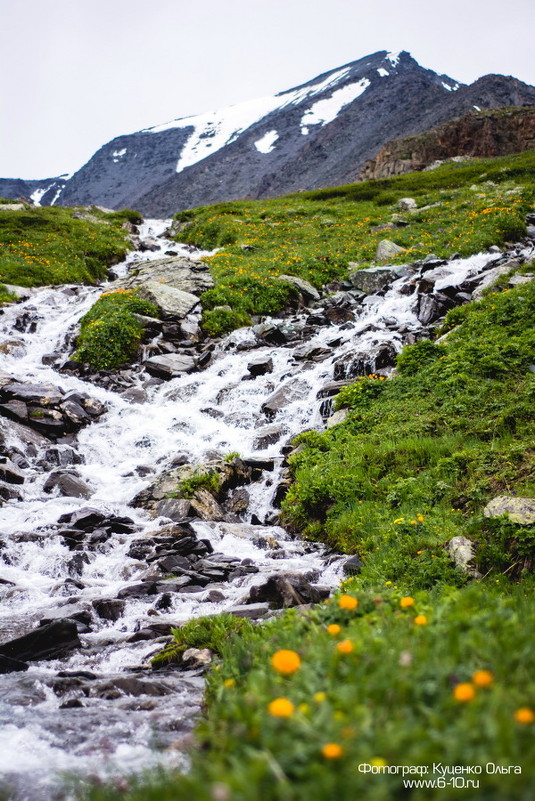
(41,246)
(314,235)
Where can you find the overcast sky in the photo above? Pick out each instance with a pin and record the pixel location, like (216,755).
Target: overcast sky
(77,73)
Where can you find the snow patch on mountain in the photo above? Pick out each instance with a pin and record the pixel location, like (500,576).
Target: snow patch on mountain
(393,58)
(216,129)
(118,154)
(383,73)
(267,143)
(450,88)
(327,110)
(36,196)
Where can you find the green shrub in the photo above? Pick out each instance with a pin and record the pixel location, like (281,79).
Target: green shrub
(210,481)
(414,357)
(219,321)
(109,333)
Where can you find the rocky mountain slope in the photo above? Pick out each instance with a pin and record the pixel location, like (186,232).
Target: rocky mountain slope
(314,135)
(485,134)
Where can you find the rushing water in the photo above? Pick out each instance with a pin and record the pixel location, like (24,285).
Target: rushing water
(84,721)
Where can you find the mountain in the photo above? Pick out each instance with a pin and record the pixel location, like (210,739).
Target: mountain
(44,192)
(317,134)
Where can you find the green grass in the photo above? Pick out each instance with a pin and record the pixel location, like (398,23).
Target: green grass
(386,699)
(420,454)
(314,235)
(109,332)
(41,246)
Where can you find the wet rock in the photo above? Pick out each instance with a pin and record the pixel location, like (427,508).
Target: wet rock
(312,353)
(287,589)
(140,590)
(492,276)
(461,551)
(331,388)
(428,309)
(9,472)
(278,332)
(257,464)
(84,519)
(68,484)
(131,685)
(252,611)
(41,394)
(170,365)
(352,566)
(268,436)
(214,596)
(75,612)
(363,363)
(169,586)
(373,279)
(8,665)
(205,506)
(9,493)
(260,366)
(174,509)
(109,608)
(46,408)
(238,502)
(519,510)
(282,397)
(47,642)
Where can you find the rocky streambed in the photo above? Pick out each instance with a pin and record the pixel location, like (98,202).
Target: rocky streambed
(134,501)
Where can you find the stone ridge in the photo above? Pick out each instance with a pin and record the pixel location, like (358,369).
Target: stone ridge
(478,134)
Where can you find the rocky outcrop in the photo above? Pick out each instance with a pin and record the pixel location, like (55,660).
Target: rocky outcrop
(203,490)
(187,275)
(481,134)
(46,408)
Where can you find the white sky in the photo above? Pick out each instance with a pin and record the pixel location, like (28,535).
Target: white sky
(77,73)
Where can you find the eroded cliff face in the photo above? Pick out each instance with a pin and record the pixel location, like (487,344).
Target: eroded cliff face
(483,134)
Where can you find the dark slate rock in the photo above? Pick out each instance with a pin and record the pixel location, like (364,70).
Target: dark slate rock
(9,472)
(286,589)
(260,366)
(8,665)
(47,642)
(109,608)
(68,484)
(85,518)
